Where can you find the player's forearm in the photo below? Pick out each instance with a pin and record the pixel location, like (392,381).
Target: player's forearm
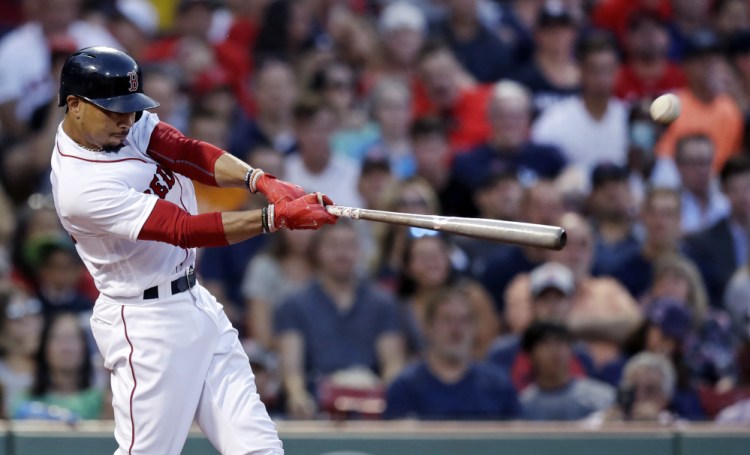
(239,226)
(171,224)
(230,171)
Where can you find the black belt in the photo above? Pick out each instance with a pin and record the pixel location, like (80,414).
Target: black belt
(181,284)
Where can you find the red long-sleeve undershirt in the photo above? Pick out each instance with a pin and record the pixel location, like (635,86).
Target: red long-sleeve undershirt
(196,160)
(190,157)
(170,224)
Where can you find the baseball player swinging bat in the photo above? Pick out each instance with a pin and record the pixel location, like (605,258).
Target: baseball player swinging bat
(526,234)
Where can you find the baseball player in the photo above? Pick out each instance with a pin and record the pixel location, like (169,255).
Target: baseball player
(121,180)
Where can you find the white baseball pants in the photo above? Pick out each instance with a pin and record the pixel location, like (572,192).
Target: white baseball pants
(175,360)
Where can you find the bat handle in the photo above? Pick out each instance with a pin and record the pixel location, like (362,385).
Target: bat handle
(346,212)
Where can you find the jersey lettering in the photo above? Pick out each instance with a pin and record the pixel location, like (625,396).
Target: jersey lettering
(162,182)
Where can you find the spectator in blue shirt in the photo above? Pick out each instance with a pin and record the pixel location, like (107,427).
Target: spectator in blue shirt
(338,322)
(509,147)
(447,383)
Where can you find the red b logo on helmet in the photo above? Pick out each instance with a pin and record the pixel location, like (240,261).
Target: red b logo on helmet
(133,81)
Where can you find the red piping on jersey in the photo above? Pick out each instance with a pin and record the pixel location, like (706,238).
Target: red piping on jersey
(181,202)
(96,161)
(185,250)
(135,382)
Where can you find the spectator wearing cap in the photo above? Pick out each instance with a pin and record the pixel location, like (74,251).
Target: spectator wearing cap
(480,51)
(591,127)
(541,203)
(723,248)
(26,79)
(551,290)
(709,349)
(447,383)
(705,110)
(602,314)
(445,90)
(647,71)
(665,331)
(508,147)
(402,29)
(612,210)
(552,73)
(555,393)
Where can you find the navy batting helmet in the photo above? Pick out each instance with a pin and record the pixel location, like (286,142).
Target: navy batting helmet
(106,77)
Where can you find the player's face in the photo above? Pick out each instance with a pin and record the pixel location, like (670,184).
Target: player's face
(98,128)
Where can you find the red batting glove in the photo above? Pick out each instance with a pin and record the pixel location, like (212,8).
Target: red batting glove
(305,212)
(276,190)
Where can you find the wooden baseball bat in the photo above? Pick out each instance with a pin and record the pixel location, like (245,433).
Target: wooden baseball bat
(527,234)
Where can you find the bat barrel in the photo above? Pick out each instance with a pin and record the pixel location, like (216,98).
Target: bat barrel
(526,234)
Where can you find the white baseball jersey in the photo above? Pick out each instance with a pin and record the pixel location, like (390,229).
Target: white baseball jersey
(103,200)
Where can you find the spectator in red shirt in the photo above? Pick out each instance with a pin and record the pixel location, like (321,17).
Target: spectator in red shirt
(448,92)
(647,72)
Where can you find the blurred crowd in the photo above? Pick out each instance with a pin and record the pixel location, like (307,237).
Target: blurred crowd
(521,110)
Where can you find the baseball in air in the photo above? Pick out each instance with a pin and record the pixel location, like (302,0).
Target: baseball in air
(666,108)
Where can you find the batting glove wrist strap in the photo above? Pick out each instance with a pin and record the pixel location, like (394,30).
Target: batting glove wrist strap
(267,219)
(251,179)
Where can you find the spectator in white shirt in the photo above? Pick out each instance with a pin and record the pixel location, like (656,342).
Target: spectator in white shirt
(703,203)
(315,167)
(592,127)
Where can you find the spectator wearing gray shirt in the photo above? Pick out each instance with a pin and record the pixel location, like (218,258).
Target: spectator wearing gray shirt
(555,394)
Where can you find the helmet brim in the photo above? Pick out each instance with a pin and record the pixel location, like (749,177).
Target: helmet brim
(133,102)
